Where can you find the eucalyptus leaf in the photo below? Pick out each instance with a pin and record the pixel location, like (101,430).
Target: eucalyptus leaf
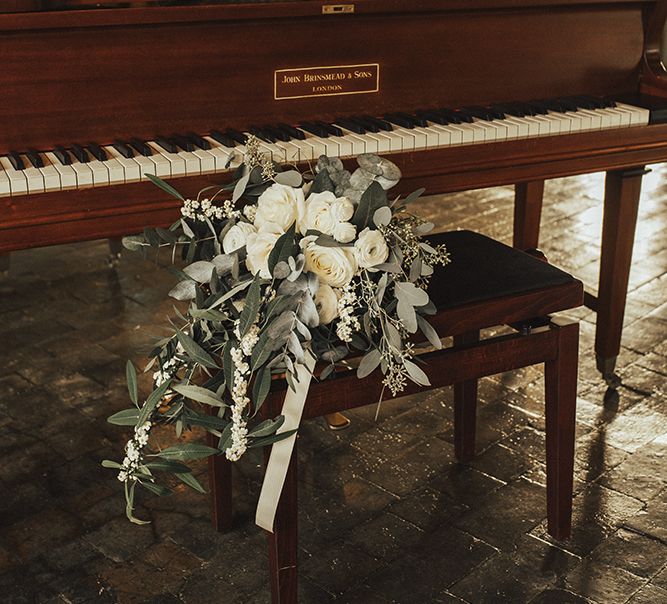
(126,417)
(416,373)
(131,376)
(410,293)
(184,290)
(200,271)
(407,315)
(369,363)
(199,394)
(322,182)
(373,198)
(430,333)
(240,187)
(382,216)
(195,351)
(284,247)
(290,178)
(134,242)
(164,186)
(413,196)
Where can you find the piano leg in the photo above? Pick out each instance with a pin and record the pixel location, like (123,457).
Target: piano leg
(4,265)
(621,203)
(115,249)
(527,213)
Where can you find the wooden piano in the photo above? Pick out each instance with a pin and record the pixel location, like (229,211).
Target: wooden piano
(97,94)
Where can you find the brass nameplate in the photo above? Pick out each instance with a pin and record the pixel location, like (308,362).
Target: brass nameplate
(333,80)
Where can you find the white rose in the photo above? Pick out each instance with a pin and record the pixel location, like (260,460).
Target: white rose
(370,248)
(326,303)
(237,236)
(342,209)
(315,213)
(334,266)
(344,232)
(258,248)
(278,208)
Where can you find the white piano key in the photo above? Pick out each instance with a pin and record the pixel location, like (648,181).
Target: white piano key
(131,169)
(522,126)
(407,138)
(345,148)
(357,142)
(192,163)
(115,169)
(67,174)
(490,131)
(84,175)
(50,174)
(585,121)
(596,118)
(614,116)
(291,152)
(17,179)
(220,153)
(100,173)
(33,176)
(470,132)
(640,116)
(306,151)
(623,114)
(207,161)
(163,160)
(444,134)
(5,184)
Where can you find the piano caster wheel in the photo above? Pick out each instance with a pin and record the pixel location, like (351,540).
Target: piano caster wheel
(337,421)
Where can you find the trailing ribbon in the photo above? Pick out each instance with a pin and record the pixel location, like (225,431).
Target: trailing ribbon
(281,452)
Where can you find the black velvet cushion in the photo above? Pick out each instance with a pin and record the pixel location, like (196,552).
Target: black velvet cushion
(482,268)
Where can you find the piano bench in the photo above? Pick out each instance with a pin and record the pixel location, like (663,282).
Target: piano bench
(487,284)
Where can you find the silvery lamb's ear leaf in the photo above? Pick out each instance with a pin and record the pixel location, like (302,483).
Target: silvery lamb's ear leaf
(407,315)
(416,374)
(134,242)
(382,216)
(368,363)
(291,178)
(200,271)
(184,290)
(430,333)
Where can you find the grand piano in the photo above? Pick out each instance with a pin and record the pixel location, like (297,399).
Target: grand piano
(461,94)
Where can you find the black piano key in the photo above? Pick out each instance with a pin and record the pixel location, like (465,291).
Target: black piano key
(538,107)
(80,154)
(583,102)
(223,139)
(293,132)
(35,158)
(383,125)
(508,109)
(261,134)
(366,124)
(399,120)
(183,142)
(141,147)
(97,152)
(16,160)
(235,135)
(62,155)
(432,115)
(123,148)
(418,121)
(332,129)
(459,114)
(350,125)
(482,113)
(168,145)
(568,104)
(449,116)
(314,128)
(198,141)
(277,133)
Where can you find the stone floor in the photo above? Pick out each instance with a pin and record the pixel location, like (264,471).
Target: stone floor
(387,515)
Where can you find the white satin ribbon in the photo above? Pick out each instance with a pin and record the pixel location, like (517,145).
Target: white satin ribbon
(281,452)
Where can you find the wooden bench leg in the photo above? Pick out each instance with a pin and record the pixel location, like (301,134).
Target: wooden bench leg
(220,485)
(561,401)
(527,214)
(465,407)
(283,542)
(621,204)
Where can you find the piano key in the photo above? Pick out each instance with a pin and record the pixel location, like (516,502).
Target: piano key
(141,147)
(97,152)
(220,152)
(383,125)
(34,158)
(262,134)
(207,162)
(223,139)
(199,141)
(315,129)
(640,116)
(167,145)
(176,164)
(358,143)
(18,182)
(295,133)
(382,141)
(317,144)
(400,120)
(443,133)
(183,142)
(80,154)
(16,161)
(51,176)
(152,164)
(277,133)
(236,136)
(84,175)
(291,152)
(124,149)
(5,185)
(62,155)
(33,176)
(366,124)
(100,173)
(131,169)
(350,126)
(66,172)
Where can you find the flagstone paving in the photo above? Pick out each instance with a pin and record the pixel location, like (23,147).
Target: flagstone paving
(386,513)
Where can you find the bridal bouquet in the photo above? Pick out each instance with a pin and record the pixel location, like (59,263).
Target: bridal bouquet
(278,265)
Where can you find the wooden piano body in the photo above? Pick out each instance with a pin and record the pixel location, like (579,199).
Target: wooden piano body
(71,73)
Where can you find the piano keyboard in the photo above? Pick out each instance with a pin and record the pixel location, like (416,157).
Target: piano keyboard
(180,155)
